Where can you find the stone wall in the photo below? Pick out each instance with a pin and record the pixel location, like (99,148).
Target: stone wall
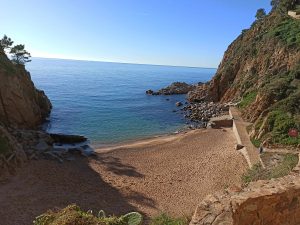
(268,202)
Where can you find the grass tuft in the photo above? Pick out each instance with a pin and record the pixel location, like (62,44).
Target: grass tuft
(280,170)
(164,219)
(248,99)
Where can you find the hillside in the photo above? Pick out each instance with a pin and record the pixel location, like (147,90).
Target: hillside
(261,71)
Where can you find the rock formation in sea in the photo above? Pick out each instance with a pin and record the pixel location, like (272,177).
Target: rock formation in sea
(175,88)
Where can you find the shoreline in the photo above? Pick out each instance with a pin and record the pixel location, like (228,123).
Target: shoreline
(102,148)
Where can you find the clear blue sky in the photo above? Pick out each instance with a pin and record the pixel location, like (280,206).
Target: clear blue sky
(169,32)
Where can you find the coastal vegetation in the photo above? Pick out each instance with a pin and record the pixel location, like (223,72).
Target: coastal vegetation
(248,99)
(164,219)
(281,169)
(260,14)
(18,53)
(72,214)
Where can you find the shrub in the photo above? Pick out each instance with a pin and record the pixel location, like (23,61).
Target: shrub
(281,170)
(74,215)
(252,174)
(248,99)
(279,123)
(288,31)
(164,219)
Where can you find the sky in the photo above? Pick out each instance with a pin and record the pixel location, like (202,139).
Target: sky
(164,32)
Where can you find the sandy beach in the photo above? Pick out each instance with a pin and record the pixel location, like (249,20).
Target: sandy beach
(167,174)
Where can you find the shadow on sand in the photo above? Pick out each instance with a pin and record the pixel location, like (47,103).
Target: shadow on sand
(115,165)
(43,185)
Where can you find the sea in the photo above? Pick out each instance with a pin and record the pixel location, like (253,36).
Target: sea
(107,103)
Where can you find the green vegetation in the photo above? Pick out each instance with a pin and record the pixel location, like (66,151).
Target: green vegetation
(253,174)
(275,3)
(74,215)
(18,53)
(164,219)
(248,99)
(6,43)
(287,31)
(4,146)
(279,123)
(256,142)
(282,169)
(260,14)
(283,5)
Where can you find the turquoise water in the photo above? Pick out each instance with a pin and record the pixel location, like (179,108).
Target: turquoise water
(107,102)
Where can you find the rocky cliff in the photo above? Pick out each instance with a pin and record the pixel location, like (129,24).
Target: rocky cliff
(21,104)
(261,71)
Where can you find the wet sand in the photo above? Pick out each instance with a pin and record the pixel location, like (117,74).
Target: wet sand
(168,174)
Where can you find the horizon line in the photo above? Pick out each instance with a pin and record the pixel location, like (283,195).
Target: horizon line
(145,64)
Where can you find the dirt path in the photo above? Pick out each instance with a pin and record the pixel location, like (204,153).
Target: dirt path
(160,176)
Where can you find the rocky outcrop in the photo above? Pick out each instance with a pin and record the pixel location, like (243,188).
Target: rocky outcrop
(175,88)
(12,153)
(41,145)
(21,104)
(262,202)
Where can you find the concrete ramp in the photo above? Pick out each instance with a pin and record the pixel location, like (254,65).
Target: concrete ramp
(250,152)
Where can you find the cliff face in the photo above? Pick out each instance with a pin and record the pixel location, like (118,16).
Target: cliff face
(21,104)
(261,71)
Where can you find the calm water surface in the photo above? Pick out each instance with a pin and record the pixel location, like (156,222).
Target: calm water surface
(107,102)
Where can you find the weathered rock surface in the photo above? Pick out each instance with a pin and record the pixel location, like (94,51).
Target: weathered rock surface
(175,88)
(21,104)
(262,202)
